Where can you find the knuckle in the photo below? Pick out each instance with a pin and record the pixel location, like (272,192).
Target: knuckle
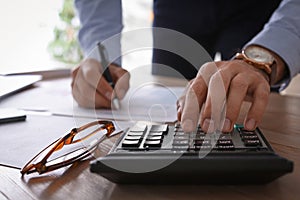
(87,93)
(91,62)
(88,72)
(196,86)
(195,96)
(75,71)
(118,71)
(239,82)
(124,77)
(180,102)
(263,94)
(232,113)
(207,69)
(217,80)
(78,98)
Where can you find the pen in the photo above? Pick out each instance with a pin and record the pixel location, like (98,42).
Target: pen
(106,73)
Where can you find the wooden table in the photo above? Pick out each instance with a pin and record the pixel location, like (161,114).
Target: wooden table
(281,126)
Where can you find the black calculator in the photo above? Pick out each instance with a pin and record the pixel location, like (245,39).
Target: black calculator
(149,153)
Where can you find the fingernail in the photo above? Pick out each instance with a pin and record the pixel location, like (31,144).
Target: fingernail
(121,93)
(208,125)
(108,95)
(179,113)
(227,125)
(188,125)
(250,124)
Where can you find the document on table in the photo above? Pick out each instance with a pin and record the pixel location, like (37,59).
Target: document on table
(148,102)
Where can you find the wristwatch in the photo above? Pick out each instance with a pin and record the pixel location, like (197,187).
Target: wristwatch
(259,58)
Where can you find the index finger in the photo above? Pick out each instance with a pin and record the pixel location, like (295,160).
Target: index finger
(259,104)
(195,97)
(92,74)
(121,78)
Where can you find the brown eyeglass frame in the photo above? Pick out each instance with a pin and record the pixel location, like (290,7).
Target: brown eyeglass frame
(41,167)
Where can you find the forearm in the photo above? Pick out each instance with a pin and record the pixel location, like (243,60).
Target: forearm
(101,21)
(281,35)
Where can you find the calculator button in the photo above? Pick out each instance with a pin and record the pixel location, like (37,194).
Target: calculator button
(129,137)
(152,143)
(178,129)
(154,137)
(198,142)
(249,137)
(156,134)
(198,137)
(180,147)
(252,143)
(225,137)
(225,147)
(130,143)
(138,128)
(245,132)
(201,142)
(180,142)
(135,133)
(224,142)
(159,128)
(180,133)
(181,137)
(202,147)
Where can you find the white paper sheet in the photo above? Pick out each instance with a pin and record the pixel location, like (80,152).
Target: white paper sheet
(147,102)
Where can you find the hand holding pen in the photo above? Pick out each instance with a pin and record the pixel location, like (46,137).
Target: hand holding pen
(90,90)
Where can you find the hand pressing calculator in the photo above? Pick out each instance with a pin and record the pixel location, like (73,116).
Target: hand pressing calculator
(164,154)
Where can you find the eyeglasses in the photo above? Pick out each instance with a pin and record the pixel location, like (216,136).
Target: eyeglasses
(76,145)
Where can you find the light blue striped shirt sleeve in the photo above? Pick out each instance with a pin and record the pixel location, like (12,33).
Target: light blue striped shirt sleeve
(282,35)
(100,20)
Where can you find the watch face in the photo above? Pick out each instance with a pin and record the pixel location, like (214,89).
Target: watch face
(258,54)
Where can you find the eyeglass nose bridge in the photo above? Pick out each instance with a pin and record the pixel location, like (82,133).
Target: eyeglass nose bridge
(70,137)
(67,139)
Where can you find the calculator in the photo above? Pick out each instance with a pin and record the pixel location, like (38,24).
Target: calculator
(149,153)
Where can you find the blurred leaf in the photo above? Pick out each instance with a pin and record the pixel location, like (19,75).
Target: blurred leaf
(65,46)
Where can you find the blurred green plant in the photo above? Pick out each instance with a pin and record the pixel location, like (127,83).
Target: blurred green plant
(65,46)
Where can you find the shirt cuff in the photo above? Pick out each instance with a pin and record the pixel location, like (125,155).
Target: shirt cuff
(286,45)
